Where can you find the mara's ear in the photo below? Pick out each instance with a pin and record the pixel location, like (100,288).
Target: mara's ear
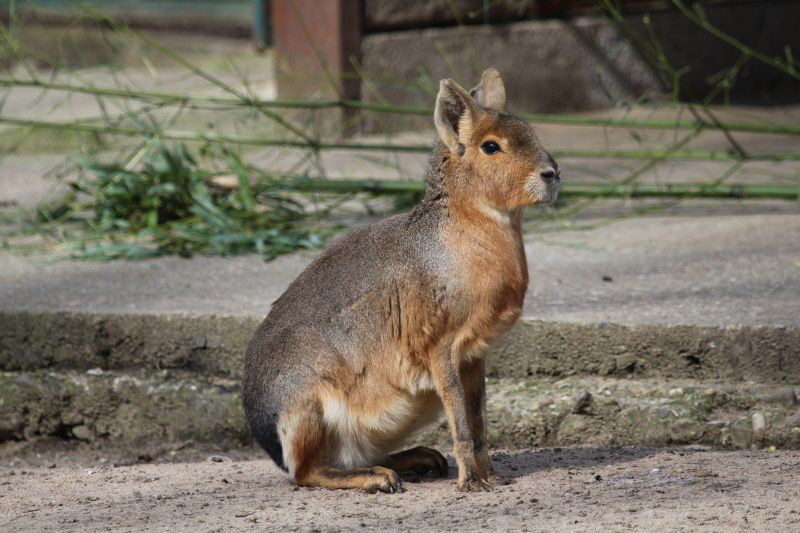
(454,115)
(490,92)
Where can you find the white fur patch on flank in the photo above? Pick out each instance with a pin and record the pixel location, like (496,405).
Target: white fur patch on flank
(349,451)
(361,439)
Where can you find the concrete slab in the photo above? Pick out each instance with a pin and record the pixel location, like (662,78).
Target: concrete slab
(704,270)
(716,270)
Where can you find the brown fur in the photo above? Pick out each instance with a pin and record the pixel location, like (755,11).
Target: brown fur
(388,326)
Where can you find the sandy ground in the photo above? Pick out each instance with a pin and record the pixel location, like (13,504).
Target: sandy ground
(570,489)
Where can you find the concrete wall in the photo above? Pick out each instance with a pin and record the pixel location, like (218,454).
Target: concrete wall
(573,64)
(548,66)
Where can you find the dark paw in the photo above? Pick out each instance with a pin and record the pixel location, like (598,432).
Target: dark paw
(434,461)
(419,460)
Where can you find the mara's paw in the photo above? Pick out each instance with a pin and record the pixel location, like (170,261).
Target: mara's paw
(419,460)
(498,479)
(430,460)
(384,480)
(473,484)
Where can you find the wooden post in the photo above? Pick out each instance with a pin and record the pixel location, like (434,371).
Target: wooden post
(316,43)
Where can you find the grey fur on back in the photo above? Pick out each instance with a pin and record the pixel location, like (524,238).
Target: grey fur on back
(328,311)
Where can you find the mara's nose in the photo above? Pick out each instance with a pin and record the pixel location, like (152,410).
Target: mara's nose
(550,174)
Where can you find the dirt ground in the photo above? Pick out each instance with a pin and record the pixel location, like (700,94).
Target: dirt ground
(569,489)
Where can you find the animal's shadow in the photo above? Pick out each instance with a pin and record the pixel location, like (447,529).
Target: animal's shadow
(519,463)
(523,462)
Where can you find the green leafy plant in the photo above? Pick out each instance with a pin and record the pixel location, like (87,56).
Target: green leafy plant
(170,204)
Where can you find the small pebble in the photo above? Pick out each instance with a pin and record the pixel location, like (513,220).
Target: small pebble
(759,424)
(582,403)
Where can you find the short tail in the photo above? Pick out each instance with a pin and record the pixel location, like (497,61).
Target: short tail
(264,425)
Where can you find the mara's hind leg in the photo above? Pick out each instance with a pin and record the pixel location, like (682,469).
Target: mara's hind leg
(306,454)
(420,460)
(372,479)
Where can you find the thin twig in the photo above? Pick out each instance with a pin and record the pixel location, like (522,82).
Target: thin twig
(191,136)
(168,52)
(672,190)
(252,102)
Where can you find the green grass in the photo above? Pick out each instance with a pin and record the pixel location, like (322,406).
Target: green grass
(168,204)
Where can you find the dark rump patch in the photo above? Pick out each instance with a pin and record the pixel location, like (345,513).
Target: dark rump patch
(264,426)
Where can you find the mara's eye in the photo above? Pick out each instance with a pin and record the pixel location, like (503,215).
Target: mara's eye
(490,147)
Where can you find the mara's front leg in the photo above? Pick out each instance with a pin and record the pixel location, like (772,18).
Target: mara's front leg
(473,379)
(451,390)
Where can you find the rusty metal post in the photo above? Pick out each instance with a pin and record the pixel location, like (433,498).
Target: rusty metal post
(262,34)
(316,43)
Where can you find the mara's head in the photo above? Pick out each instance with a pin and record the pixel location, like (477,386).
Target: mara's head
(495,157)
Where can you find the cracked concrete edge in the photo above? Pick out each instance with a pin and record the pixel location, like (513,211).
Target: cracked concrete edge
(737,353)
(119,407)
(172,406)
(213,345)
(206,344)
(603,411)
